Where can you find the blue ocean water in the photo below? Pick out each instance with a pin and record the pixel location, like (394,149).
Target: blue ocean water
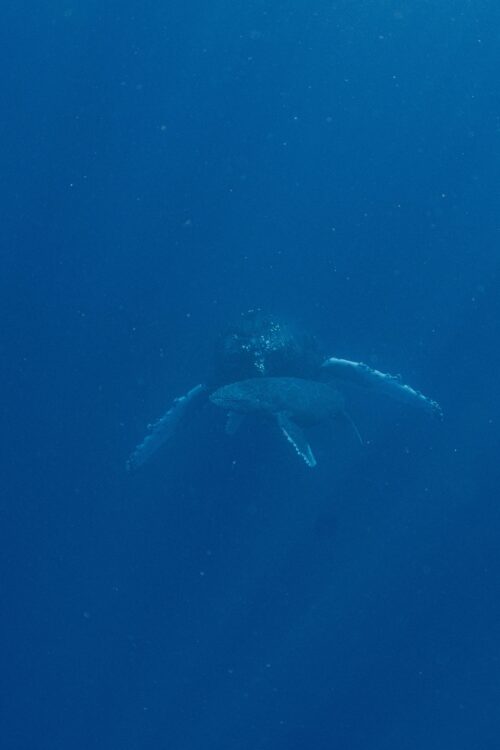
(167,166)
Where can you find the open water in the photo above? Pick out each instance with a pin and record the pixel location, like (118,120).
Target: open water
(166,166)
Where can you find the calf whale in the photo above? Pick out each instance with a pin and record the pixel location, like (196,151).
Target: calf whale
(294,403)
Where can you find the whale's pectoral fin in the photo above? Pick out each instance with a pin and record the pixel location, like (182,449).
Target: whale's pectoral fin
(165,427)
(296,437)
(381,382)
(346,417)
(233,422)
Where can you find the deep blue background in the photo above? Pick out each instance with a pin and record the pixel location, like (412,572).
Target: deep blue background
(164,167)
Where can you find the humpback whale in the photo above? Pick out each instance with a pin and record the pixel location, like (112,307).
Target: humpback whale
(293,402)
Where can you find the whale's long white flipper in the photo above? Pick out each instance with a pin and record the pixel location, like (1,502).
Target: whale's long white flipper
(296,437)
(391,385)
(164,427)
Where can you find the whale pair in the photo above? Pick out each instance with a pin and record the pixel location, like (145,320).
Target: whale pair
(262,364)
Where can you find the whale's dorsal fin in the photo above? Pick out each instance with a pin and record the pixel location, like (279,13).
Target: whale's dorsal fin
(296,437)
